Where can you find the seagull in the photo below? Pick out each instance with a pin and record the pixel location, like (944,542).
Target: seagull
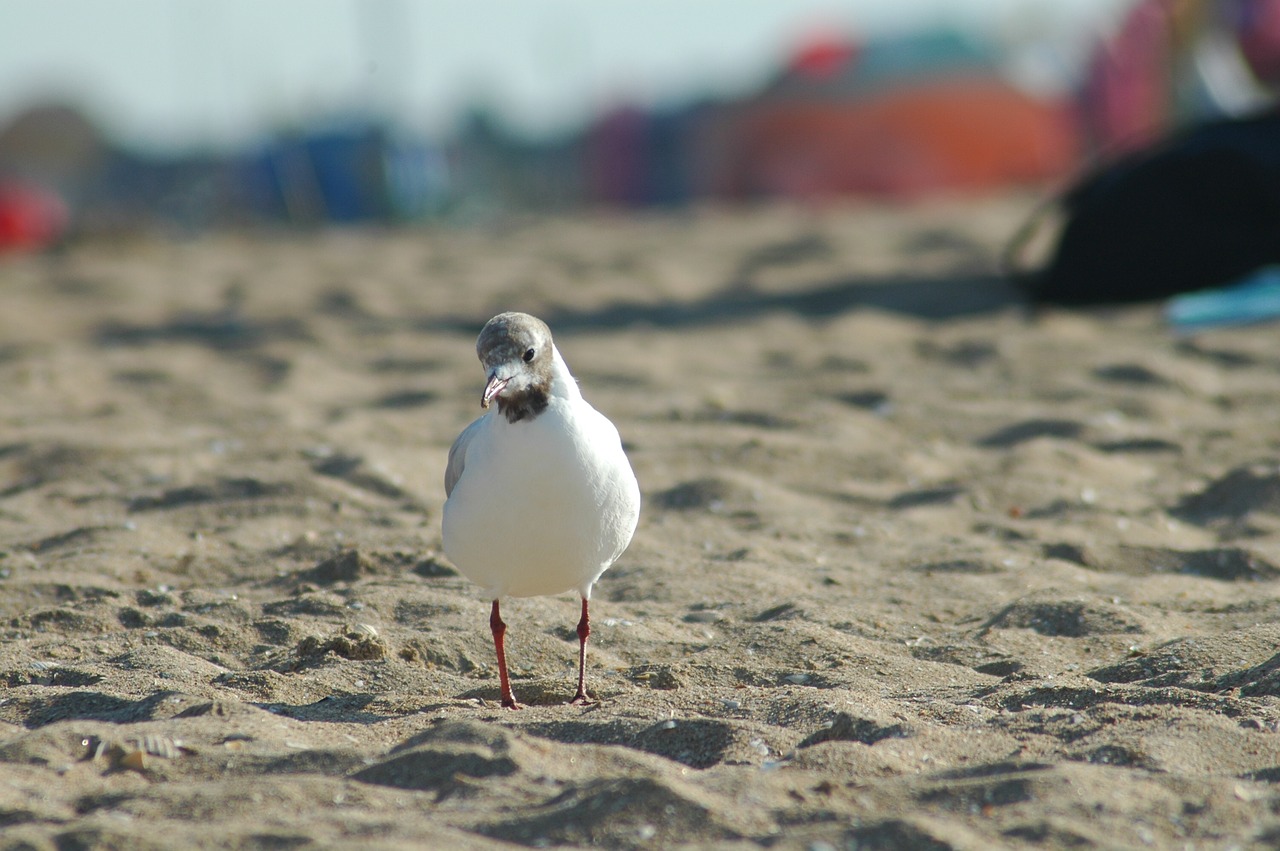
(541,498)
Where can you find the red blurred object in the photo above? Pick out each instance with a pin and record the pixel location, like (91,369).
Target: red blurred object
(823,58)
(958,134)
(31,217)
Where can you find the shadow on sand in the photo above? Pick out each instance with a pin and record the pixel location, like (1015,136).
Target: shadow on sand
(922,297)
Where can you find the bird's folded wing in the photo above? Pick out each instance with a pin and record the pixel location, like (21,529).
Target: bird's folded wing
(458,456)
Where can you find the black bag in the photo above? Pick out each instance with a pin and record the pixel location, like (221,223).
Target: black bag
(1198,210)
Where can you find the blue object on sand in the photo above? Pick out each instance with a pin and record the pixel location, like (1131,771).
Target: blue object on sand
(1252,299)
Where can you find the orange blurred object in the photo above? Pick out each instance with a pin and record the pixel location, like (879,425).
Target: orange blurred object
(957,134)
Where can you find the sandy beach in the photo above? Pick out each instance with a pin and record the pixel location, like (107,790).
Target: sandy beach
(916,568)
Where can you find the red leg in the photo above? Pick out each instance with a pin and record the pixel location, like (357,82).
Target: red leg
(584,630)
(499,634)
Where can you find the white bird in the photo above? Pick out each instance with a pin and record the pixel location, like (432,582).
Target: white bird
(541,498)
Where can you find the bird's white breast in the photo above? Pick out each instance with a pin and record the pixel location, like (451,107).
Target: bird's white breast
(543,506)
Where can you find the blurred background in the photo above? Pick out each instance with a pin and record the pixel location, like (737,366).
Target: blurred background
(181,116)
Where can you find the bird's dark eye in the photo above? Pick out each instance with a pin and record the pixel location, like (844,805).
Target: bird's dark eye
(528,355)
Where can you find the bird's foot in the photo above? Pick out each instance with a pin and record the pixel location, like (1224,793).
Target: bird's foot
(581,699)
(510,703)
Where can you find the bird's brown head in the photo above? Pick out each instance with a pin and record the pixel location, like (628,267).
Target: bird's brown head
(517,354)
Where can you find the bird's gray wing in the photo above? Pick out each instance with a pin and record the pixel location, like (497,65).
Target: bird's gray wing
(458,456)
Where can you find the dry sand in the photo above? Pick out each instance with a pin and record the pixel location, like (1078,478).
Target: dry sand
(915,569)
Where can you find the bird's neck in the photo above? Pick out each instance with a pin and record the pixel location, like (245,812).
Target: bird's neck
(528,404)
(524,406)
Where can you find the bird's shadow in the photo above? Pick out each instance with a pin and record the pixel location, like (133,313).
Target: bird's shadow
(527,692)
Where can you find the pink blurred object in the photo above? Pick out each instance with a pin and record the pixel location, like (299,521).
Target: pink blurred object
(1126,97)
(1260,38)
(31,217)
